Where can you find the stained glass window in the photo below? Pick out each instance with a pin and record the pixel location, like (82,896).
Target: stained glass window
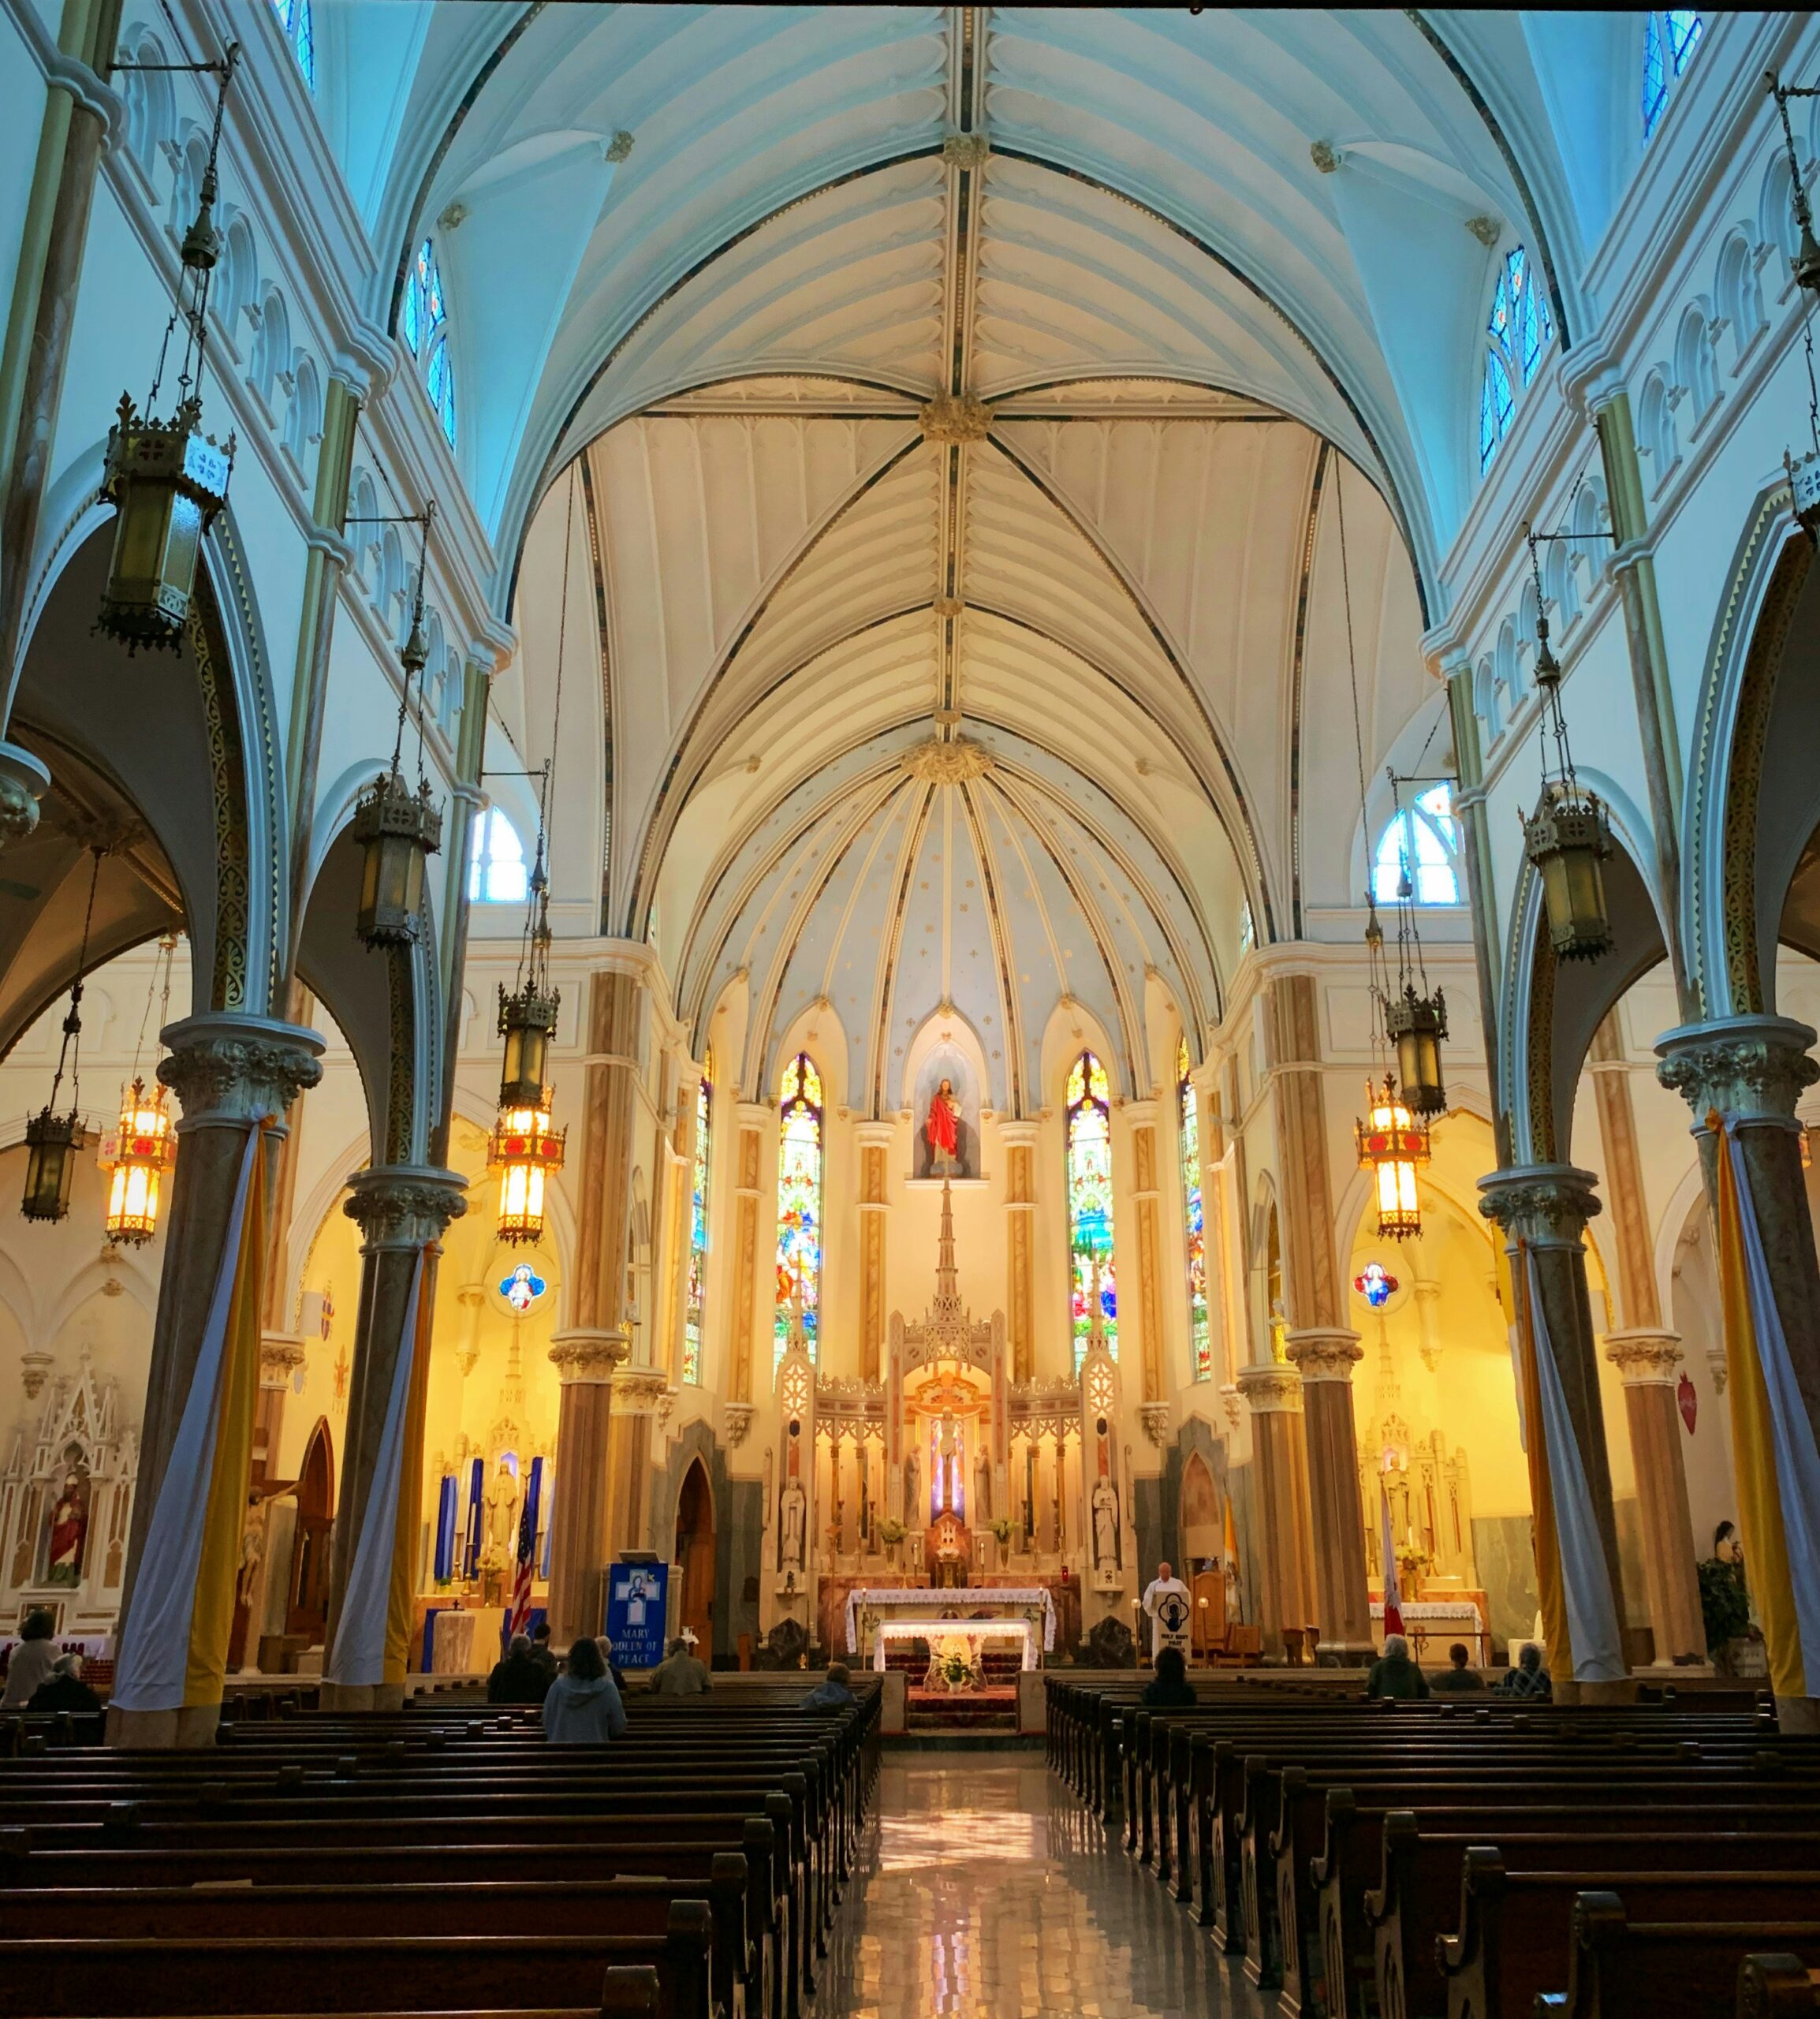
(1200,1340)
(300,30)
(1520,330)
(696,1293)
(496,872)
(799,1202)
(1422,843)
(1248,929)
(423,321)
(1090,1203)
(1669,40)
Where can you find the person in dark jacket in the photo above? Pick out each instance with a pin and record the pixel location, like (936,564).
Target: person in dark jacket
(832,1695)
(583,1708)
(519,1678)
(679,1673)
(1169,1689)
(1529,1677)
(64,1689)
(1396,1676)
(1460,1675)
(541,1652)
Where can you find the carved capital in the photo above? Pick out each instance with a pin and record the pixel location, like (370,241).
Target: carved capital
(589,1354)
(1754,1069)
(228,1068)
(642,1391)
(1646,1359)
(23,781)
(955,417)
(736,1420)
(280,1355)
(1548,1205)
(1155,1417)
(1271,1389)
(404,1205)
(1326,1354)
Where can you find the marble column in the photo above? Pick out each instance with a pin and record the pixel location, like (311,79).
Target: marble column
(1752,1070)
(1147,1305)
(873,1140)
(1286,1597)
(1543,1209)
(1646,1356)
(580,1515)
(80,114)
(402,1211)
(1018,1139)
(642,1400)
(230,1072)
(1342,1599)
(751,1252)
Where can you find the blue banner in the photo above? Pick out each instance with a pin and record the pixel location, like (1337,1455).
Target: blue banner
(637,1602)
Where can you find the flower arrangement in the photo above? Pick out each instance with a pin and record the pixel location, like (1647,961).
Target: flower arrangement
(891,1532)
(1003,1529)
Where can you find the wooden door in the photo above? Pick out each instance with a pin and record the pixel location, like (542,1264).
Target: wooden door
(307,1615)
(694,1554)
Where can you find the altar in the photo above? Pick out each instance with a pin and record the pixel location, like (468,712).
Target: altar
(920,1611)
(976,1633)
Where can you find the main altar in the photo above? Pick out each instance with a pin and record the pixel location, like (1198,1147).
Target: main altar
(876,1615)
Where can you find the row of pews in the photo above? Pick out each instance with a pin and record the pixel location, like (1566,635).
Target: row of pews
(444,1859)
(1477,1857)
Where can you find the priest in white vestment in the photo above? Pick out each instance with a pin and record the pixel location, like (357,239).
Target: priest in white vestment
(1167,1605)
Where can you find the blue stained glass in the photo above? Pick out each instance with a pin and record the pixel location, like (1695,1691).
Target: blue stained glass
(1089,1227)
(1531,336)
(696,1294)
(799,1254)
(409,326)
(1655,76)
(1500,321)
(1194,1221)
(303,37)
(1683,33)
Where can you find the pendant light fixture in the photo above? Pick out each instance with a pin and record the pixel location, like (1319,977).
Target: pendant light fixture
(398,829)
(52,1139)
(1568,837)
(1415,1018)
(146,1144)
(526,1149)
(1803,471)
(165,478)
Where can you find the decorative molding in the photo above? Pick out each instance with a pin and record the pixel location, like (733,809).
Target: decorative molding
(1752,1069)
(590,1355)
(1645,1357)
(643,1391)
(229,1069)
(1229,1397)
(1155,1417)
(736,1421)
(1325,1353)
(1548,1205)
(1271,1389)
(955,417)
(23,781)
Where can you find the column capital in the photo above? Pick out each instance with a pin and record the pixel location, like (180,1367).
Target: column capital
(404,1205)
(228,1069)
(736,1420)
(1324,1353)
(874,1135)
(1751,1069)
(642,1391)
(23,781)
(280,1355)
(1548,1205)
(590,1354)
(1645,1357)
(1019,1134)
(1271,1389)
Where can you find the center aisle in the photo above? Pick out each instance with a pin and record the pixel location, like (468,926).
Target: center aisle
(981,1889)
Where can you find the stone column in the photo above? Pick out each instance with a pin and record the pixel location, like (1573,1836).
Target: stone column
(873,1140)
(402,1211)
(580,1513)
(1273,1394)
(1646,1355)
(80,113)
(1753,1070)
(604,1211)
(1020,1140)
(1543,1209)
(1342,1597)
(280,1355)
(229,1072)
(642,1399)
(1141,1116)
(749,1247)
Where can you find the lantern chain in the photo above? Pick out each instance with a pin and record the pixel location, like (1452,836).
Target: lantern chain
(70,1051)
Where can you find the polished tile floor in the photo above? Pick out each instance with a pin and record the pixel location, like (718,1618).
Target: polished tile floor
(982,1889)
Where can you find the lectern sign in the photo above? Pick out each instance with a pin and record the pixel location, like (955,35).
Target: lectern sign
(637,1595)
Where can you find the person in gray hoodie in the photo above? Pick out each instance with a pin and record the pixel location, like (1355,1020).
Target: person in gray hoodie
(582,1706)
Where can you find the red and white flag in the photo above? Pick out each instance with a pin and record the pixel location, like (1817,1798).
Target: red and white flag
(1392,1596)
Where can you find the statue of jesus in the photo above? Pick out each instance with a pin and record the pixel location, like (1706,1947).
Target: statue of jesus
(943,1131)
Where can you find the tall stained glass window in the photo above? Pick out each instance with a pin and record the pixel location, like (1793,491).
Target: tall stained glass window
(1090,1203)
(1422,843)
(696,1294)
(424,323)
(1518,331)
(1670,37)
(1200,1339)
(300,27)
(799,1202)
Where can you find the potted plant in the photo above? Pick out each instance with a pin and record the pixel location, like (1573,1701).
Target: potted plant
(1724,1611)
(891,1533)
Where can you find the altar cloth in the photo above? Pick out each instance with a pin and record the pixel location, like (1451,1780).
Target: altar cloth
(947,1606)
(972,1631)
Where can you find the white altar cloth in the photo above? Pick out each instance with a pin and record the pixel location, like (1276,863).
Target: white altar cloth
(933,1606)
(1425,1619)
(972,1631)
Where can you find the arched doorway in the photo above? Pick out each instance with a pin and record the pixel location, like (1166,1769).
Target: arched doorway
(307,1616)
(695,1556)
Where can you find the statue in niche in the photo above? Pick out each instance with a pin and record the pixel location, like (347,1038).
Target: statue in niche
(1106,1526)
(947,1096)
(792,1516)
(983,1488)
(912,1481)
(69,1527)
(943,1127)
(502,1532)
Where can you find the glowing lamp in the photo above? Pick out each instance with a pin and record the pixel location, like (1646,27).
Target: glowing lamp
(1392,1143)
(1567,839)
(51,1142)
(1416,1024)
(527,1020)
(525,1150)
(144,1154)
(167,480)
(398,830)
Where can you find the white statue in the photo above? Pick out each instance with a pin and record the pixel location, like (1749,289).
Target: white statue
(983,1487)
(794,1518)
(1106,1526)
(502,1512)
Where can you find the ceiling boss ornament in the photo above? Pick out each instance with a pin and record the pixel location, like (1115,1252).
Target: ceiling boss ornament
(940,764)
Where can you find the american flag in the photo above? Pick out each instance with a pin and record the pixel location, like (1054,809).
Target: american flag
(526,1556)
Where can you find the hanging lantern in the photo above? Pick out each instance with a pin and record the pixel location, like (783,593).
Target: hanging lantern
(1416,1024)
(1567,838)
(51,1142)
(526,1150)
(1392,1144)
(142,1157)
(399,829)
(527,1020)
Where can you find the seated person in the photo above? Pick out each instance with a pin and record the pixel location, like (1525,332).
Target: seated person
(32,1660)
(583,1708)
(1460,1676)
(832,1695)
(613,1667)
(541,1652)
(1529,1677)
(679,1673)
(64,1689)
(1396,1677)
(519,1678)
(1169,1689)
